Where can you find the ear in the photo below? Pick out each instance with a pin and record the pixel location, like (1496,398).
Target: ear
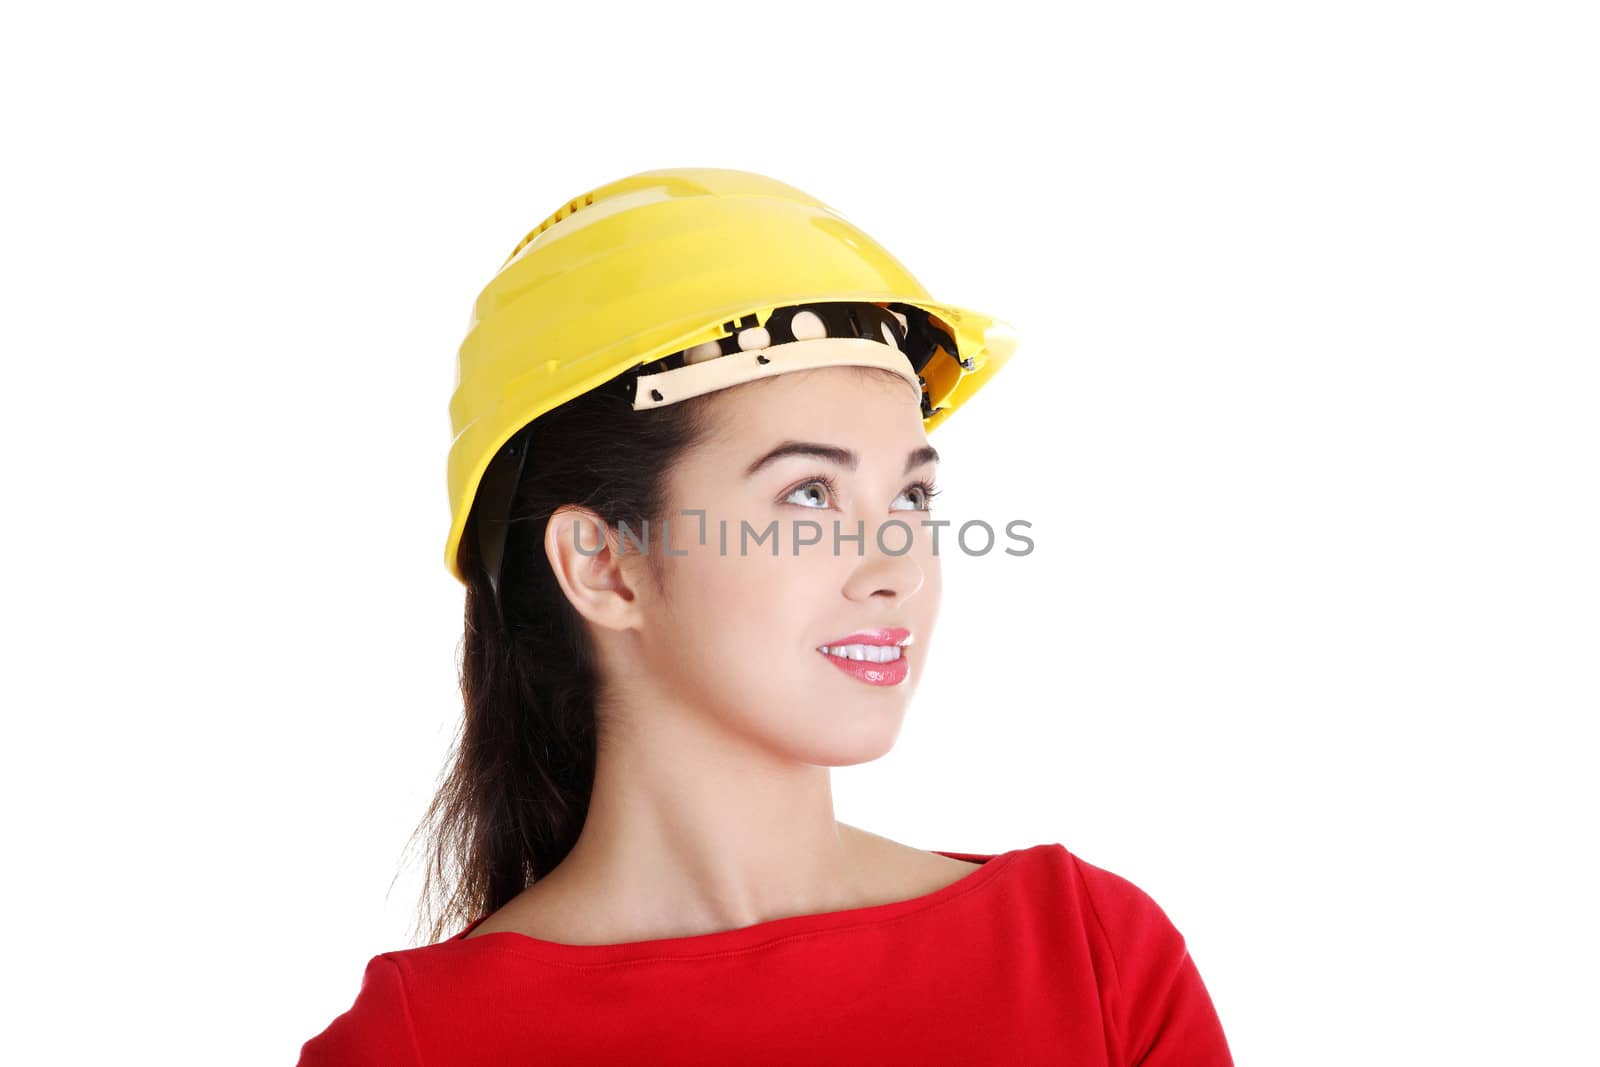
(594,571)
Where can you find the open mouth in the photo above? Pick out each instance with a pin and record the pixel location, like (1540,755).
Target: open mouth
(873,664)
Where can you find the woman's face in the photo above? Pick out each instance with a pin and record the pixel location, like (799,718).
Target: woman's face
(736,628)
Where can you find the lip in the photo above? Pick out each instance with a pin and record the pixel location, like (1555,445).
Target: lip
(893,635)
(891,673)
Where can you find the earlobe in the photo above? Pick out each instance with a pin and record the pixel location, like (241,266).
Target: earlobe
(586,557)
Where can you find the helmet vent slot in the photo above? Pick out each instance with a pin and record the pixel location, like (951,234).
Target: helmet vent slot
(569,208)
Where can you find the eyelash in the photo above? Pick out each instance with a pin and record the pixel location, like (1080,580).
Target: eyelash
(929,490)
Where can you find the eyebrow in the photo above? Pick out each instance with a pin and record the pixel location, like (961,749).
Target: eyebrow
(834,454)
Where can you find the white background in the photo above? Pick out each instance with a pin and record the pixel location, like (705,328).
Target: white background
(1304,416)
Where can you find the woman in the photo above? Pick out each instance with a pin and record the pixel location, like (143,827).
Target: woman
(690,482)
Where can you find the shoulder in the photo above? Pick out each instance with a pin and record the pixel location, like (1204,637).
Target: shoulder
(376,1029)
(1156,1004)
(1123,912)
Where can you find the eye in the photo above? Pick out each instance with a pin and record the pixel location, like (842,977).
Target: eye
(923,491)
(820,490)
(819,485)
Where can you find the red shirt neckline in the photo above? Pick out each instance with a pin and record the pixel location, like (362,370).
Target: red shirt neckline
(745,938)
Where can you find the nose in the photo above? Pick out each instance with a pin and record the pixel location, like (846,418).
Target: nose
(881,574)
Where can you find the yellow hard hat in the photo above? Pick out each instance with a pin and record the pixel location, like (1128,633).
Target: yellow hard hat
(669,267)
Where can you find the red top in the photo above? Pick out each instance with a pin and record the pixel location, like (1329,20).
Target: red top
(1034,957)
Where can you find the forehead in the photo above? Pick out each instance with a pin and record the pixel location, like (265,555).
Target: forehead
(851,398)
(876,415)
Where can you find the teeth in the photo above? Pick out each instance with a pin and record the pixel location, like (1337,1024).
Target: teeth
(866,653)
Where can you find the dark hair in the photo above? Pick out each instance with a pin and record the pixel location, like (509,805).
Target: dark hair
(515,796)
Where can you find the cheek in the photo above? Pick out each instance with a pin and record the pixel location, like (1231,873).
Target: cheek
(933,578)
(740,628)
(732,592)
(731,615)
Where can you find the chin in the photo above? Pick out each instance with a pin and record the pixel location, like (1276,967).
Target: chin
(839,741)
